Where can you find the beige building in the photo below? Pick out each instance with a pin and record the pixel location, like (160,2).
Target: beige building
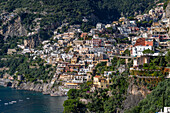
(72,85)
(137,61)
(74,60)
(100,82)
(11,51)
(89,76)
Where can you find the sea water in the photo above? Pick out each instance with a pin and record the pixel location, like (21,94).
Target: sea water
(21,101)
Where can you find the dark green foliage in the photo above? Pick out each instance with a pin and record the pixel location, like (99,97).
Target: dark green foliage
(22,65)
(9,43)
(85,27)
(27,19)
(123,40)
(44,34)
(148,51)
(101,67)
(114,61)
(72,94)
(73,106)
(73,10)
(167,58)
(145,23)
(101,64)
(126,53)
(1,45)
(0,22)
(165,4)
(118,88)
(156,63)
(100,100)
(155,101)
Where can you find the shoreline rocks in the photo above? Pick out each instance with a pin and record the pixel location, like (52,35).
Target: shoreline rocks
(45,88)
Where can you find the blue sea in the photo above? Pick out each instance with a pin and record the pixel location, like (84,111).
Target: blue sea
(20,101)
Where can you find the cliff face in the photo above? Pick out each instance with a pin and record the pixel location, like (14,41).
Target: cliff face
(32,41)
(14,28)
(168,10)
(32,87)
(168,13)
(45,88)
(135,95)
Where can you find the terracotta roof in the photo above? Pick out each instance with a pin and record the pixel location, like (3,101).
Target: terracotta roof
(140,41)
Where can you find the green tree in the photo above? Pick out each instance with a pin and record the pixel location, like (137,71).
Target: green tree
(72,94)
(155,101)
(148,51)
(126,52)
(167,58)
(73,106)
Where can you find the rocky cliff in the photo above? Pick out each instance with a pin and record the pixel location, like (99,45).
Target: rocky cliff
(32,41)
(45,88)
(168,10)
(14,28)
(134,95)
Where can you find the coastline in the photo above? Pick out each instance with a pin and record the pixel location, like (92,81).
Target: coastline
(44,88)
(24,101)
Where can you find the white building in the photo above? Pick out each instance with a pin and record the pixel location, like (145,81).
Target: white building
(138,50)
(107,73)
(100,26)
(166,110)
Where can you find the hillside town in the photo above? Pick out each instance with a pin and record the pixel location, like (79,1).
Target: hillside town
(76,54)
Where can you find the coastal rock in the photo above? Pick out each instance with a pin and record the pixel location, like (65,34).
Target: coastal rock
(7,84)
(45,88)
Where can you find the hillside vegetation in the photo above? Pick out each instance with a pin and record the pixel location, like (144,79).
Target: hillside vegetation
(73,11)
(155,101)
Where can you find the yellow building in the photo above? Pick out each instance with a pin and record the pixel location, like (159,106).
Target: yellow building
(100,82)
(72,85)
(59,59)
(73,60)
(121,52)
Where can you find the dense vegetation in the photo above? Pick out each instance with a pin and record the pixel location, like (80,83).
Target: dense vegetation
(32,70)
(110,100)
(101,67)
(156,63)
(73,11)
(167,58)
(155,101)
(99,100)
(9,43)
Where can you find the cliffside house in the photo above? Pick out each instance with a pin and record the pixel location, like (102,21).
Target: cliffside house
(100,82)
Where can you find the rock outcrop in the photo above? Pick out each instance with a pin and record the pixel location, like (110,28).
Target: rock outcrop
(168,10)
(31,86)
(45,88)
(134,95)
(14,28)
(32,41)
